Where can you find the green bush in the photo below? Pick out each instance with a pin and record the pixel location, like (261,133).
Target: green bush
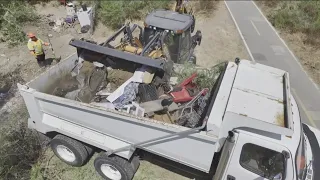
(114,13)
(288,20)
(13,15)
(205,78)
(298,16)
(20,147)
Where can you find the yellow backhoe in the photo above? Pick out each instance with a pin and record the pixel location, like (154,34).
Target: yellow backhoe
(166,34)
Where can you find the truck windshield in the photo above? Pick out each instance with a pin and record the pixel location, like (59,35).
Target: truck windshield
(300,158)
(262,161)
(185,45)
(148,35)
(171,42)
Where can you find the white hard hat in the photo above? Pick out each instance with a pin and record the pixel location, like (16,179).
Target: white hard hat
(97,64)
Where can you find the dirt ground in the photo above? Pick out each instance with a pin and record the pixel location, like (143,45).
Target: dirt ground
(220,38)
(54,169)
(19,57)
(306,53)
(220,42)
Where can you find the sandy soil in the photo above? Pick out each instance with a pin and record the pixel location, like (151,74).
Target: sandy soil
(307,54)
(19,57)
(21,65)
(220,38)
(220,42)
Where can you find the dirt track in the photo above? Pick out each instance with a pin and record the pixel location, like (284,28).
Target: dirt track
(221,40)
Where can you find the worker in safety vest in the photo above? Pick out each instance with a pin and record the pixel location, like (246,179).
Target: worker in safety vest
(36,49)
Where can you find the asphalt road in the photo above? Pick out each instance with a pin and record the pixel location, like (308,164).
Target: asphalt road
(265,46)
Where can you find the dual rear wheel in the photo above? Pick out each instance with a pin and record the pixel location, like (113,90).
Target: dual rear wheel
(115,167)
(76,153)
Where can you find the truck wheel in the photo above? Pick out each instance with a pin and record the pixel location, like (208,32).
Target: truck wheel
(70,151)
(89,150)
(116,168)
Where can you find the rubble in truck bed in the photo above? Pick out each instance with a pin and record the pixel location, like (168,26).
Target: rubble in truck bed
(141,93)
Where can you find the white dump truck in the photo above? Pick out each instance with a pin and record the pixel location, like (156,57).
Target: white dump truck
(251,129)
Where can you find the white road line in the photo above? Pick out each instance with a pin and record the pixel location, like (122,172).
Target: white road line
(303,108)
(295,58)
(243,40)
(254,26)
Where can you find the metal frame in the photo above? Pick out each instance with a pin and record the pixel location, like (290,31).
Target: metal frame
(113,37)
(126,27)
(79,44)
(150,43)
(191,48)
(287,102)
(136,145)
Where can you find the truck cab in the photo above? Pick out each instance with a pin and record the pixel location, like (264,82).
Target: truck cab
(260,130)
(248,156)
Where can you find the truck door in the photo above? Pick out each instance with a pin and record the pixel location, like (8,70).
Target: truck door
(257,159)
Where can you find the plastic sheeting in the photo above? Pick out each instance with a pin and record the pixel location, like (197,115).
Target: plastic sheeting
(129,94)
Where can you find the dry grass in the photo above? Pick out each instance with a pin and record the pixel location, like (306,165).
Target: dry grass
(297,16)
(115,13)
(299,25)
(49,167)
(205,76)
(20,147)
(204,7)
(13,15)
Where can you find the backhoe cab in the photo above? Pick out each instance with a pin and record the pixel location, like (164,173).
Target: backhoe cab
(166,34)
(174,31)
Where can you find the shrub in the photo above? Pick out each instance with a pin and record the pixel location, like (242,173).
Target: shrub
(13,15)
(20,148)
(207,5)
(205,76)
(288,20)
(114,13)
(298,16)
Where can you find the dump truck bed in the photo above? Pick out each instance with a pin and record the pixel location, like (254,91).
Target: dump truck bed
(233,102)
(109,129)
(254,96)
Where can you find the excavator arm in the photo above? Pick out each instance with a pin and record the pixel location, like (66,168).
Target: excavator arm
(181,7)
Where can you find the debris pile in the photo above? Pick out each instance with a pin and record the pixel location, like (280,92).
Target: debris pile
(139,93)
(76,14)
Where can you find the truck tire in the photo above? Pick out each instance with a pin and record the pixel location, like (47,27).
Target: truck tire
(70,151)
(89,150)
(116,168)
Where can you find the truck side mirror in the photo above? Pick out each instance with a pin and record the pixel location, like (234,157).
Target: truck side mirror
(199,37)
(230,136)
(277,177)
(285,154)
(237,60)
